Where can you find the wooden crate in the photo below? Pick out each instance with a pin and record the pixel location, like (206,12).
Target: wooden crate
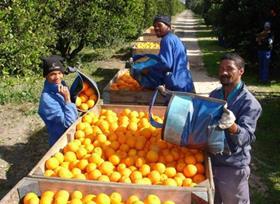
(136,50)
(152,38)
(14,196)
(142,97)
(201,193)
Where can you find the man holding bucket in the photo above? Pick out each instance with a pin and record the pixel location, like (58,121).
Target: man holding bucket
(56,108)
(239,120)
(171,68)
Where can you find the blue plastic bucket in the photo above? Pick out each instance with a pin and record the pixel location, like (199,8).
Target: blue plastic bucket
(192,121)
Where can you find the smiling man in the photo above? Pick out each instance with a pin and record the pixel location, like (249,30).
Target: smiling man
(239,120)
(172,59)
(56,108)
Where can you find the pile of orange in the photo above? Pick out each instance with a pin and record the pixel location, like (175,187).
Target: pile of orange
(77,197)
(125,82)
(87,98)
(125,147)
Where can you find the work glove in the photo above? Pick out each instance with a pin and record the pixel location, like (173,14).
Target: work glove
(227,119)
(162,90)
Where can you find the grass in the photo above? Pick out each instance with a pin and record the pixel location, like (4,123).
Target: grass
(265,154)
(16,90)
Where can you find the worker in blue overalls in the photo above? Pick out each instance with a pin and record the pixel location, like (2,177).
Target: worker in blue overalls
(56,108)
(172,69)
(231,170)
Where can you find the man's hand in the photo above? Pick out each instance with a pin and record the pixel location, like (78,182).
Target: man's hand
(64,91)
(227,119)
(162,90)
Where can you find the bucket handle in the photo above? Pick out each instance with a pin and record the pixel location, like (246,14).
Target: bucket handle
(164,92)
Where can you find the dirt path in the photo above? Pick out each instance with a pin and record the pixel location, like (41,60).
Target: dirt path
(185,27)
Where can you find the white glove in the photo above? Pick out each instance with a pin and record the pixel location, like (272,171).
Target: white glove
(227,119)
(162,90)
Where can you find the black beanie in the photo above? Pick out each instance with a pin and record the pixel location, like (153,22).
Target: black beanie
(164,19)
(52,63)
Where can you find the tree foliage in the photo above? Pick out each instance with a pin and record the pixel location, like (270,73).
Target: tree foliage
(34,28)
(238,22)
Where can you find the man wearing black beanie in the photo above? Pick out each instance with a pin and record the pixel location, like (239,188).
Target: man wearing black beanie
(56,108)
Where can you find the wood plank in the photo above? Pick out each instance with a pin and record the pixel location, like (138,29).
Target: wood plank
(37,185)
(142,97)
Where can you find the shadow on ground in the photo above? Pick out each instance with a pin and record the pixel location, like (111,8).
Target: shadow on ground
(22,158)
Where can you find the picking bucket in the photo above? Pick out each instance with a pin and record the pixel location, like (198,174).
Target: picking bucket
(192,121)
(77,88)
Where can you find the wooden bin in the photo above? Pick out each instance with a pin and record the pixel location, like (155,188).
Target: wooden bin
(142,97)
(202,192)
(151,37)
(38,186)
(136,50)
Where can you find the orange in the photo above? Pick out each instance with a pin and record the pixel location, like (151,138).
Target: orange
(125,179)
(88,198)
(101,138)
(89,92)
(90,103)
(116,198)
(115,176)
(121,166)
(94,174)
(79,134)
(49,194)
(160,167)
(135,175)
(154,176)
(62,193)
(90,167)
(76,170)
(102,198)
(140,161)
(180,166)
(52,163)
(82,164)
(75,201)
(46,200)
(76,194)
(190,170)
(190,159)
(59,156)
(95,158)
(34,200)
(104,178)
(64,173)
(81,153)
(131,199)
(170,172)
(152,156)
(170,182)
(152,199)
(198,178)
(200,168)
(78,101)
(114,159)
(28,196)
(80,126)
(84,107)
(187,182)
(178,180)
(85,86)
(145,169)
(106,168)
(199,156)
(125,172)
